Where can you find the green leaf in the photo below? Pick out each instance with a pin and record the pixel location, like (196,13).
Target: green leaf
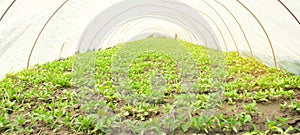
(289,129)
(185,126)
(234,129)
(280,130)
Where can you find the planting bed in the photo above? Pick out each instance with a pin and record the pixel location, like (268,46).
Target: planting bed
(253,98)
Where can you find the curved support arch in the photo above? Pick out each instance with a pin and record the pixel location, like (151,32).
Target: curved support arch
(231,35)
(180,24)
(41,31)
(91,40)
(240,26)
(224,41)
(289,11)
(198,31)
(11,4)
(219,30)
(172,20)
(265,32)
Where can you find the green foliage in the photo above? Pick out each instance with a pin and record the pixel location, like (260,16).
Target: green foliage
(251,108)
(294,106)
(48,96)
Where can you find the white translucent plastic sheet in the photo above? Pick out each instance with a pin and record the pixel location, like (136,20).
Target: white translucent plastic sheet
(270,34)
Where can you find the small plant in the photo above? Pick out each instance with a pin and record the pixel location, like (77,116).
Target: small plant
(295,106)
(202,123)
(186,126)
(251,108)
(283,106)
(243,118)
(272,125)
(261,96)
(233,123)
(221,121)
(283,121)
(4,121)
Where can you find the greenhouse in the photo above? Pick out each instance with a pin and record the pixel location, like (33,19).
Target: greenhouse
(149,67)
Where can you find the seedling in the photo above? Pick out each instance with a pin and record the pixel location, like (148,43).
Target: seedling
(274,127)
(283,106)
(295,106)
(251,108)
(233,123)
(243,118)
(221,121)
(202,123)
(283,121)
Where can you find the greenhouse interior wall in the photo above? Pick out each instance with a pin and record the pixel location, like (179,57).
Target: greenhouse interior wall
(39,31)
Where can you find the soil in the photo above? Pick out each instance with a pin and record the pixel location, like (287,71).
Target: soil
(266,110)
